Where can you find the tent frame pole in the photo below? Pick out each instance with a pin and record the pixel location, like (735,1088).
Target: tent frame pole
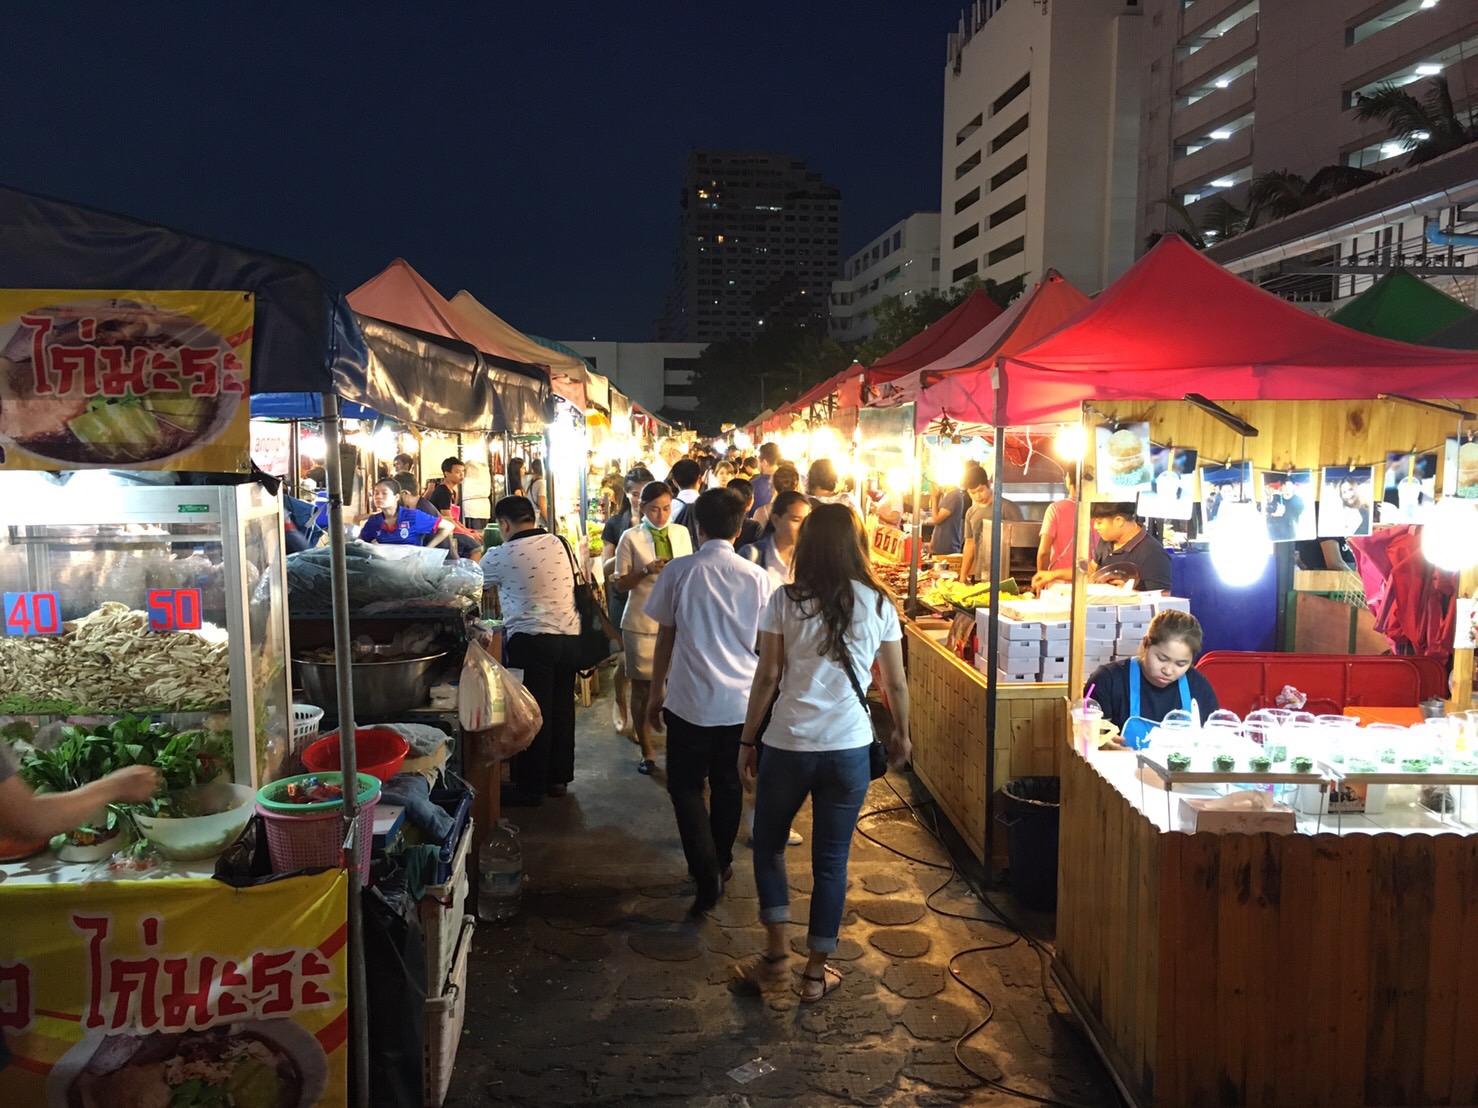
(339,570)
(916,517)
(993,647)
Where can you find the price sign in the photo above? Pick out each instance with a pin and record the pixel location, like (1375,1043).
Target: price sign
(32,613)
(174,609)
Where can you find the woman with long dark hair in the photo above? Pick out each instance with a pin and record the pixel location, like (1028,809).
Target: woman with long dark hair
(818,637)
(513,481)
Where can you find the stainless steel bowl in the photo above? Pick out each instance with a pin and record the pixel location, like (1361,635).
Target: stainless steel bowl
(381,688)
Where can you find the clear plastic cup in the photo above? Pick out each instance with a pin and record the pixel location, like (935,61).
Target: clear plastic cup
(1086,716)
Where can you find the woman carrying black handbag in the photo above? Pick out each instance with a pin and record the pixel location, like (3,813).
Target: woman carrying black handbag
(816,635)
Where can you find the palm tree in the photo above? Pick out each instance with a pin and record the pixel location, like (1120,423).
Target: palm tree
(1277,193)
(1223,220)
(1429,126)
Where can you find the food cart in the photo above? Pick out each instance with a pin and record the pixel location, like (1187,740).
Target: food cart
(1314,958)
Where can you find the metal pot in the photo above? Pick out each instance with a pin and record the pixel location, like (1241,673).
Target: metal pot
(381,688)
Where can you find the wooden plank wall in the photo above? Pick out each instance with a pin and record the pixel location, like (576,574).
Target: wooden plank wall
(1307,970)
(947,721)
(1108,918)
(1283,971)
(947,701)
(1295,434)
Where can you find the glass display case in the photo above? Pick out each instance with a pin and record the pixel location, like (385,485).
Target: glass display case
(129,592)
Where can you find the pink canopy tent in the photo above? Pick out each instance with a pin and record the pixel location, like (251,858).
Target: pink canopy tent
(940,339)
(398,294)
(1177,322)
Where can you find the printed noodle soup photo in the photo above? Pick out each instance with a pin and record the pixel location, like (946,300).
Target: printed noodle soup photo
(113,382)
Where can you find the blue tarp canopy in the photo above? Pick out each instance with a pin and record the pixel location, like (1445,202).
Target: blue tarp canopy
(306,339)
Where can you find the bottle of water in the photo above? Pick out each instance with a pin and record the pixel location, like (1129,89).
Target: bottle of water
(499,873)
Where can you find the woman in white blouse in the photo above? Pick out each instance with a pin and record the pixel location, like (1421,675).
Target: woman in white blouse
(640,556)
(833,618)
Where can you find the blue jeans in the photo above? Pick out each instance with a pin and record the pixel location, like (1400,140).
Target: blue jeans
(836,781)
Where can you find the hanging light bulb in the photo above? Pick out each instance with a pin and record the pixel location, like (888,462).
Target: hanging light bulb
(1240,547)
(1070,443)
(1450,535)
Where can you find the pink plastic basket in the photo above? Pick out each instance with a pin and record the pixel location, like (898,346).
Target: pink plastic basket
(315,839)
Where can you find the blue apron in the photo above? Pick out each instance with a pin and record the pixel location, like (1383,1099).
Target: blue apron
(1137,729)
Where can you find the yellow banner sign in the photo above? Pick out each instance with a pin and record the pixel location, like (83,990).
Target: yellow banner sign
(175,992)
(125,379)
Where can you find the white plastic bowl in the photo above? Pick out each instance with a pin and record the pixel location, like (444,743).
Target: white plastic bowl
(194,837)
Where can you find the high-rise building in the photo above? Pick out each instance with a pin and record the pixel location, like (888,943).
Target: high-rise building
(1235,88)
(757,248)
(657,375)
(1041,120)
(903,261)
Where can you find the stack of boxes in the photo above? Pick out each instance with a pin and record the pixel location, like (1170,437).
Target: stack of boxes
(1034,648)
(1032,651)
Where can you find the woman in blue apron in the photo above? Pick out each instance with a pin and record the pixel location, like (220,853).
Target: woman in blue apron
(1137,693)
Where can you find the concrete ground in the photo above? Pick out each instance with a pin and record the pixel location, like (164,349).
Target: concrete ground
(602,992)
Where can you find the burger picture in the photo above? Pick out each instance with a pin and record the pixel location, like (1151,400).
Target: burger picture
(1467,470)
(1123,457)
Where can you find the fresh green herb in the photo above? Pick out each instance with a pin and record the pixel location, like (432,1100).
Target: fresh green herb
(1303,765)
(22,704)
(1178,763)
(1223,763)
(1415,765)
(1362,765)
(1260,764)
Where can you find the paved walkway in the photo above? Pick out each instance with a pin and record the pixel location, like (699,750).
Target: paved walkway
(602,992)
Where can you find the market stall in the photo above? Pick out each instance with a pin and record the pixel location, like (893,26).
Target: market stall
(175,636)
(1221,951)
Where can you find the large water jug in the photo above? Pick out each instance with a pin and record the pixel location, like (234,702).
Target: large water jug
(499,873)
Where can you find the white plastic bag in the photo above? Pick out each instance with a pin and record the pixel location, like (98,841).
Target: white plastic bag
(480,696)
(494,706)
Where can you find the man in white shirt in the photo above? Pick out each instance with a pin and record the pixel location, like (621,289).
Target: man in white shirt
(535,579)
(707,608)
(687,475)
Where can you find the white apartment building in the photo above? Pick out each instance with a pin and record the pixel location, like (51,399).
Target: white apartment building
(1041,122)
(903,261)
(657,375)
(1237,88)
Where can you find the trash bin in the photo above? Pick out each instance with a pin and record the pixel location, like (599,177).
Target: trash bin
(1030,816)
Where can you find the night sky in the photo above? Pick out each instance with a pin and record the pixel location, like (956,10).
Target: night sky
(530,152)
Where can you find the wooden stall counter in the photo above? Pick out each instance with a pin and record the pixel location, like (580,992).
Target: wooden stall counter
(947,702)
(1263,969)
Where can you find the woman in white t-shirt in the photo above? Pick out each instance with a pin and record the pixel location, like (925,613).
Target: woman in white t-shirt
(834,617)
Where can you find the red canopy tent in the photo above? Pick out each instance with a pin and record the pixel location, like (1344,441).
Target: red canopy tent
(1177,323)
(937,340)
(960,387)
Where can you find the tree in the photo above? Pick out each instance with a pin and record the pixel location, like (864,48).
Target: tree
(1271,195)
(1429,126)
(735,378)
(898,322)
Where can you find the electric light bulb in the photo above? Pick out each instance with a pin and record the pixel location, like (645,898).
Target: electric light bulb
(1450,536)
(1071,441)
(1240,547)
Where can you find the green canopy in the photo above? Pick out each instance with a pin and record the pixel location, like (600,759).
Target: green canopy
(1402,307)
(1462,335)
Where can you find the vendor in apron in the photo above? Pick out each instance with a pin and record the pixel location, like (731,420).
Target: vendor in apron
(1137,693)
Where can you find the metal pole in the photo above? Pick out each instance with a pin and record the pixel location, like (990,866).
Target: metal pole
(294,458)
(358,997)
(550,522)
(993,648)
(917,553)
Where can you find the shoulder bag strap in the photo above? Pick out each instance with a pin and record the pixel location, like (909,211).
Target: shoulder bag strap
(856,684)
(570,553)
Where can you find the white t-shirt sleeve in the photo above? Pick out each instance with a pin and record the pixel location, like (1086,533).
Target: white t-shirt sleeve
(892,632)
(661,604)
(625,555)
(772,616)
(492,567)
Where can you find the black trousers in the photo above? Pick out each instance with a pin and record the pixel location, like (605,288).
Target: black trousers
(695,756)
(550,758)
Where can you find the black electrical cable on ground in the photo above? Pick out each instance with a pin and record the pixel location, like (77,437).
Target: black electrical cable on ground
(1002,920)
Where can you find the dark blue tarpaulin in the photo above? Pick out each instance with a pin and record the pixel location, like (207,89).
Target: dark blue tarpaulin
(305,338)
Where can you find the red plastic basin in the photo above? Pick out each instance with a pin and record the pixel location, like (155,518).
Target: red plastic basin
(380,753)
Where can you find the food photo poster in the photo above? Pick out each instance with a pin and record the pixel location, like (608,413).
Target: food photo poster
(1174,486)
(1410,487)
(1286,498)
(1460,468)
(1123,460)
(1345,500)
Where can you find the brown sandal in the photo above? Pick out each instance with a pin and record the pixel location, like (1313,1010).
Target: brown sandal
(762,972)
(829,980)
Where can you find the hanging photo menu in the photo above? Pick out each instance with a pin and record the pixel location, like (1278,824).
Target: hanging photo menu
(1224,484)
(1286,499)
(1345,501)
(1410,487)
(1174,484)
(1123,460)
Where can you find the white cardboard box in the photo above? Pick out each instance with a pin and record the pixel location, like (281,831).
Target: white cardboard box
(1196,816)
(1018,678)
(1098,629)
(1170,604)
(1057,632)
